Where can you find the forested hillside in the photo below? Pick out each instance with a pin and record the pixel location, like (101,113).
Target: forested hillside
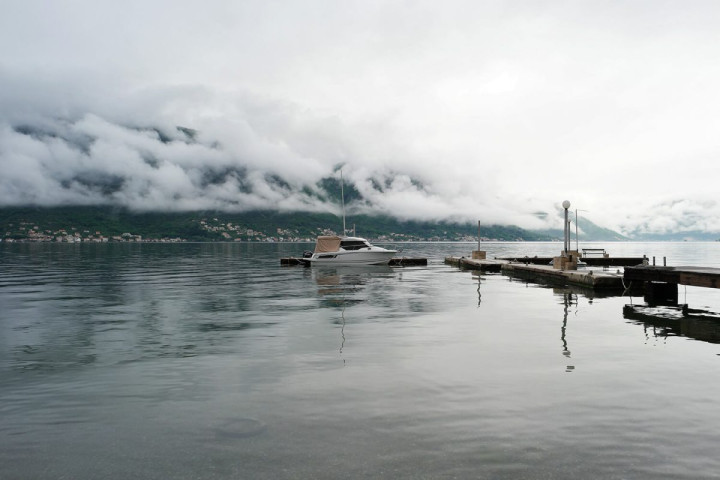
(109,222)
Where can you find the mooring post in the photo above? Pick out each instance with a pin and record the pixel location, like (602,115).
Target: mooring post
(664,262)
(653,260)
(478,254)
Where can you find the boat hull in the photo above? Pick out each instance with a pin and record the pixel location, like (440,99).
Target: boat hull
(371,257)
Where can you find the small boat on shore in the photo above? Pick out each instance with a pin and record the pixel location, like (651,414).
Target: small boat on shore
(335,250)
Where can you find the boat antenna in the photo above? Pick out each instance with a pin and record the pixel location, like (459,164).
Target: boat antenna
(342,198)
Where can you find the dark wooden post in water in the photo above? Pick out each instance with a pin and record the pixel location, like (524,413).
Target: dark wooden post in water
(661,293)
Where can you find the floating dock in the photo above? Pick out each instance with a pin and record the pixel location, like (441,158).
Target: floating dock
(691,276)
(290,261)
(661,283)
(584,278)
(408,261)
(590,261)
(484,265)
(394,262)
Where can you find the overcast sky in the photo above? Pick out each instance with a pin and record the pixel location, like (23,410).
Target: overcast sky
(500,109)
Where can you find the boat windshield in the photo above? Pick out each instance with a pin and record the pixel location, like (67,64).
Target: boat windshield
(354,244)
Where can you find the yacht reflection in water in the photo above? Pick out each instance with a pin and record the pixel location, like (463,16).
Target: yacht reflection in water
(342,286)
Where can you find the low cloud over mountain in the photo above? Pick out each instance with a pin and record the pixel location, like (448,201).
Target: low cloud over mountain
(265,156)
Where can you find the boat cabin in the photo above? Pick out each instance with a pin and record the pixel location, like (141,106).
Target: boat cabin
(332,243)
(354,244)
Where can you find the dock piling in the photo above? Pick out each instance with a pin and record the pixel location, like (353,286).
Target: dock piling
(661,293)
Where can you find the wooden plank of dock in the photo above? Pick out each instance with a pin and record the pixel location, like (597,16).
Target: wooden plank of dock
(707,277)
(613,261)
(407,261)
(484,265)
(590,261)
(394,262)
(583,278)
(290,261)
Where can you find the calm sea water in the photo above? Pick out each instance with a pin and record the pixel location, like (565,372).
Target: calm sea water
(211,361)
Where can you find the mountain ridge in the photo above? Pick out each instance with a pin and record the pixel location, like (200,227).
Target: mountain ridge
(17,222)
(30,222)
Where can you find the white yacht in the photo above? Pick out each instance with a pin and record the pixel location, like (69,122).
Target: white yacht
(334,250)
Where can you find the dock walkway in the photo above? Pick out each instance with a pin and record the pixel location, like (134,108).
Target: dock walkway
(589,260)
(691,276)
(394,262)
(485,265)
(583,278)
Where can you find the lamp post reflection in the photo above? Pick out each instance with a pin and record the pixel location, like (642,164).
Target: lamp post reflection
(567,302)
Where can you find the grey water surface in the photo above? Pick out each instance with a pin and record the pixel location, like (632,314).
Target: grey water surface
(204,361)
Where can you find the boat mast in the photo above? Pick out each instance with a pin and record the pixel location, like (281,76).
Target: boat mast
(342,197)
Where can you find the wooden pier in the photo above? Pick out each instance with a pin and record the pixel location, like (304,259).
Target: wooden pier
(408,261)
(484,265)
(292,261)
(690,276)
(660,284)
(589,260)
(583,278)
(394,262)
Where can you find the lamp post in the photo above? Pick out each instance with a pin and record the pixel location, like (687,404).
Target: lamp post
(566,230)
